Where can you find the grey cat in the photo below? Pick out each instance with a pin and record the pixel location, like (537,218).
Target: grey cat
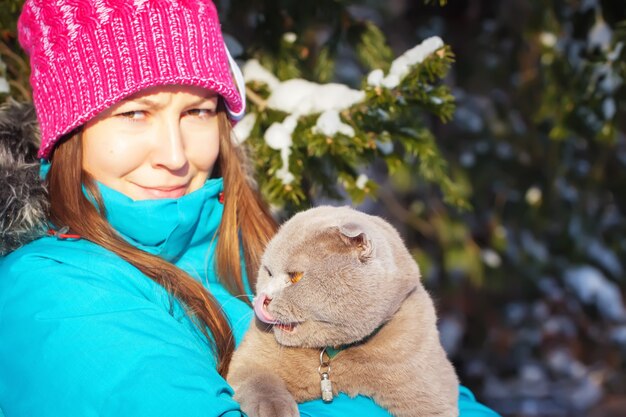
(335,279)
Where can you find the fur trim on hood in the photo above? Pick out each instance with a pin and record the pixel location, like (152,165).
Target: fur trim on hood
(23,195)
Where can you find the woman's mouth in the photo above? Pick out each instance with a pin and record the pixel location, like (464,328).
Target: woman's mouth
(153,193)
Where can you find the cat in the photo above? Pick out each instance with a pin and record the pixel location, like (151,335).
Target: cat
(336,279)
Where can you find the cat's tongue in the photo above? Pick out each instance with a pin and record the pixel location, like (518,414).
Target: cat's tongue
(260,309)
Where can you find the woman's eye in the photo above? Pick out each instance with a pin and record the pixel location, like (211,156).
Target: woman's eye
(201,113)
(134,115)
(295,276)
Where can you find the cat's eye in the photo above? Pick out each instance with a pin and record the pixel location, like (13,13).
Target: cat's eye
(295,276)
(268,271)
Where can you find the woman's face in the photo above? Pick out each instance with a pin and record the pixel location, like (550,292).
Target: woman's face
(160,143)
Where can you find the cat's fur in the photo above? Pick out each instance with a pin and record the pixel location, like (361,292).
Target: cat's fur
(360,289)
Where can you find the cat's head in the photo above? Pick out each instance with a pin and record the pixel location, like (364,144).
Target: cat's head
(332,276)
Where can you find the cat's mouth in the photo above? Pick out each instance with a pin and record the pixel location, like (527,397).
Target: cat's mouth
(286,327)
(261,304)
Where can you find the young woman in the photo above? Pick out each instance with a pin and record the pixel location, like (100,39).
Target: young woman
(126,303)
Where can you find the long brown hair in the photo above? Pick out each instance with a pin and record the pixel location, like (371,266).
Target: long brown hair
(246,227)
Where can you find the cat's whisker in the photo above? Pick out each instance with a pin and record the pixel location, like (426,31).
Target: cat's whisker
(281,349)
(248,297)
(243,318)
(239,297)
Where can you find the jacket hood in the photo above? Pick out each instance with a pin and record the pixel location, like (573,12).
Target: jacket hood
(23,195)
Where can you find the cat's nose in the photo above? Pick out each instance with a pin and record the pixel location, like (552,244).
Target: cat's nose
(261,302)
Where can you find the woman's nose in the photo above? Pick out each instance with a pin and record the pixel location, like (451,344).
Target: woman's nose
(169,149)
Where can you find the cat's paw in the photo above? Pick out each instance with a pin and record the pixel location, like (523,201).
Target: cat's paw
(265,395)
(272,407)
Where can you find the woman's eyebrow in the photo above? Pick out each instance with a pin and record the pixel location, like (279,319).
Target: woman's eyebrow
(143,101)
(156,104)
(203,100)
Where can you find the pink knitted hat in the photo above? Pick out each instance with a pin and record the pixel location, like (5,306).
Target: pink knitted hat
(87,55)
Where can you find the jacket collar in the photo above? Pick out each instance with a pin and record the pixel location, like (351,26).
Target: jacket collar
(166,227)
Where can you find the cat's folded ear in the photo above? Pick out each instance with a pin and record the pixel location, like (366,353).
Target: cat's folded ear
(353,235)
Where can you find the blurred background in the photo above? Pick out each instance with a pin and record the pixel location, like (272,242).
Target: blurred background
(501,159)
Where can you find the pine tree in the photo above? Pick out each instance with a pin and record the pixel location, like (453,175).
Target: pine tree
(314,140)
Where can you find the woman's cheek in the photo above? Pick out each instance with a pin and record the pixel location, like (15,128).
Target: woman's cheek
(203,151)
(114,155)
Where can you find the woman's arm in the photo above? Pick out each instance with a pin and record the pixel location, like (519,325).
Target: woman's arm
(76,344)
(344,406)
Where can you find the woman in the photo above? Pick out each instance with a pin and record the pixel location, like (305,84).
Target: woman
(117,309)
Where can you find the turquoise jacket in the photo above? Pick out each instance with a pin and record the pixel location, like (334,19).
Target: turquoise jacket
(84,333)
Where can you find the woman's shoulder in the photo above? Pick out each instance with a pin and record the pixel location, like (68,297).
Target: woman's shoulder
(51,249)
(83,275)
(69,254)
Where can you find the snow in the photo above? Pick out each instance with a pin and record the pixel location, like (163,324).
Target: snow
(254,71)
(467,159)
(588,4)
(608,108)
(618,335)
(361,181)
(607,80)
(283,173)
(491,258)
(375,77)
(391,81)
(605,257)
(548,39)
(533,195)
(298,97)
(278,137)
(4,85)
(469,119)
(385,147)
(551,289)
(616,52)
(592,287)
(560,361)
(587,393)
(401,66)
(241,131)
(290,37)
(567,191)
(436,100)
(302,97)
(534,247)
(329,123)
(600,35)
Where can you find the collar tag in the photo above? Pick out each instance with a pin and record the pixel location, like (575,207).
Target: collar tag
(326,385)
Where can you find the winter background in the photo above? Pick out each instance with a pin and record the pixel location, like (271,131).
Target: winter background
(491,133)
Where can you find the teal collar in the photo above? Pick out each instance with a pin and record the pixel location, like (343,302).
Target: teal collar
(332,351)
